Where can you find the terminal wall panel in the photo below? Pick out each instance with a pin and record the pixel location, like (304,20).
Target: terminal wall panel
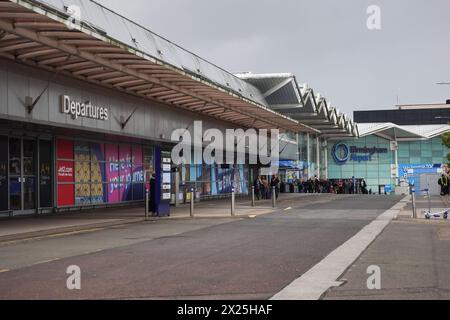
(18,89)
(41,109)
(3,92)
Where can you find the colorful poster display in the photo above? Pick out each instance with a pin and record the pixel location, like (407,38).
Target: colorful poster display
(95,173)
(82,173)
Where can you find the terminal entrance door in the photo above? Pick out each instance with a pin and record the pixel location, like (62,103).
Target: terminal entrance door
(22,175)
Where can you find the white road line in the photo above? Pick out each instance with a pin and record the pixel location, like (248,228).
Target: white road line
(317,281)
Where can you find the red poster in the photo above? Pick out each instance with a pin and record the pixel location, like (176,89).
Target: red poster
(66,195)
(65,149)
(65,170)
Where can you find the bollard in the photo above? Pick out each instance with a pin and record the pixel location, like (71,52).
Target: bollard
(147,209)
(253,196)
(192,203)
(274,197)
(233,203)
(413,196)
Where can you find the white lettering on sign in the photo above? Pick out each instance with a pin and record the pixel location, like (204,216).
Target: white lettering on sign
(78,109)
(64,171)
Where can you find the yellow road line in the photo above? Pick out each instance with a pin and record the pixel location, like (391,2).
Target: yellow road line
(46,261)
(4,270)
(50,236)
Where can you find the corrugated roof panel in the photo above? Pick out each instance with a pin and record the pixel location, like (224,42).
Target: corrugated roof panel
(121,29)
(285,95)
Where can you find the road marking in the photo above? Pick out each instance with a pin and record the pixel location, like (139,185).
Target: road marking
(4,270)
(287,209)
(46,261)
(51,236)
(317,281)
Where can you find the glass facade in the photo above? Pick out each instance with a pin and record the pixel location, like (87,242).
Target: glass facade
(216,180)
(379,169)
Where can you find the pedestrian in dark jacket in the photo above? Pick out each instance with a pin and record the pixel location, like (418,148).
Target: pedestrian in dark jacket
(443,182)
(258,185)
(275,183)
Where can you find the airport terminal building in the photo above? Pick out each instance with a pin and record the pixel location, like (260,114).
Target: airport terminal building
(384,160)
(88,107)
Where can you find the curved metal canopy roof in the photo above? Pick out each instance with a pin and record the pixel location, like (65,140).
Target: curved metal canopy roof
(109,50)
(301,103)
(394,132)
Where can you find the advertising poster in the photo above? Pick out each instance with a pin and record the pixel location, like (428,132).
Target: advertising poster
(65,173)
(125,171)
(82,173)
(98,174)
(112,173)
(138,173)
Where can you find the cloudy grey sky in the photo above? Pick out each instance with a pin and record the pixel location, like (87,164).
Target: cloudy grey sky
(324,42)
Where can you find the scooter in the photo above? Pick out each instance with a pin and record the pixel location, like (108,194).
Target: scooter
(429,214)
(438,215)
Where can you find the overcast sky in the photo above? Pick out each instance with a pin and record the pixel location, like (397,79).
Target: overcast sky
(325,43)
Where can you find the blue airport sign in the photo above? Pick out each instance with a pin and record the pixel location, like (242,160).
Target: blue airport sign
(342,153)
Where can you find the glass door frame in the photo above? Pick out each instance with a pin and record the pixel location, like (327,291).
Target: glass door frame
(22,177)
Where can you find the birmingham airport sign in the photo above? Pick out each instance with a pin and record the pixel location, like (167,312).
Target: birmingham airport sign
(79,109)
(342,153)
(212,147)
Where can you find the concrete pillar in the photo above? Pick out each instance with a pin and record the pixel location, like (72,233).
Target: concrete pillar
(318,156)
(308,147)
(326,162)
(177,188)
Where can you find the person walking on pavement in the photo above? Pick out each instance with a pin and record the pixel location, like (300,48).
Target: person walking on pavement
(258,185)
(364,186)
(443,183)
(275,183)
(264,190)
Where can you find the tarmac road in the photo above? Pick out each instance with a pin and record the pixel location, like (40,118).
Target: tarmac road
(197,259)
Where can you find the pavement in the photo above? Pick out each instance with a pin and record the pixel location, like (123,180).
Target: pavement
(47,225)
(413,256)
(212,258)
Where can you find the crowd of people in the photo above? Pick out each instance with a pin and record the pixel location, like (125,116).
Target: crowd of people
(263,187)
(346,186)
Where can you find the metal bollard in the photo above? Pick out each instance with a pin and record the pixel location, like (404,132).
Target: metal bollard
(253,196)
(413,196)
(192,203)
(274,197)
(147,209)
(233,203)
